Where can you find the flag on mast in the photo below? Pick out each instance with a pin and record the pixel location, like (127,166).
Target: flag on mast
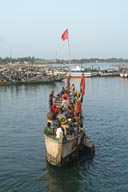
(64,36)
(82,84)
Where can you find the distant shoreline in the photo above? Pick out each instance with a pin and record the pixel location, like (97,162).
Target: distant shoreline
(33,60)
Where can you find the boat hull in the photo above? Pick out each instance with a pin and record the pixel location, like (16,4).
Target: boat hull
(109,74)
(124,75)
(59,154)
(28,82)
(79,74)
(7,83)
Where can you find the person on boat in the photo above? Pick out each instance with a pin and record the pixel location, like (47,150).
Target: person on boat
(77,107)
(54,108)
(48,124)
(72,97)
(66,95)
(70,110)
(62,91)
(64,104)
(68,82)
(72,89)
(52,91)
(63,116)
(71,130)
(51,96)
(51,118)
(61,112)
(48,130)
(52,121)
(79,96)
(59,132)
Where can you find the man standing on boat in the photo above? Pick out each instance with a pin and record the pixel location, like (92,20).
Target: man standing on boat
(51,96)
(68,82)
(64,104)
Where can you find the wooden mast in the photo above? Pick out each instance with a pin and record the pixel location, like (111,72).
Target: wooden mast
(68,51)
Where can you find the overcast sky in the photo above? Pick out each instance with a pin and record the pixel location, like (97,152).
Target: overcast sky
(97,28)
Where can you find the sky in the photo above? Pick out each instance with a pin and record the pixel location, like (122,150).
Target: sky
(97,28)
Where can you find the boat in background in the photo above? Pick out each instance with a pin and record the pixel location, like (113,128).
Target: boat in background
(124,73)
(33,80)
(59,77)
(109,73)
(79,70)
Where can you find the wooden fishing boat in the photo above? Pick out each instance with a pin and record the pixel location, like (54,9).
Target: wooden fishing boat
(25,82)
(60,151)
(34,80)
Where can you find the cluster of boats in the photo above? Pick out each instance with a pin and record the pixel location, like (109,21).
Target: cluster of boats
(77,71)
(30,75)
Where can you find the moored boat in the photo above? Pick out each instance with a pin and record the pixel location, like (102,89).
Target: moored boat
(79,70)
(33,80)
(109,73)
(65,134)
(124,74)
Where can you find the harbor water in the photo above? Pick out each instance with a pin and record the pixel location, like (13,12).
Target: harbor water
(23,113)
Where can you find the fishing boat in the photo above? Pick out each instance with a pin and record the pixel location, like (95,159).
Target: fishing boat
(33,80)
(79,70)
(64,139)
(124,73)
(109,73)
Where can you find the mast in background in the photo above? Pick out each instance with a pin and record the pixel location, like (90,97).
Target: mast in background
(64,37)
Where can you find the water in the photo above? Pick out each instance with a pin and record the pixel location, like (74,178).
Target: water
(23,166)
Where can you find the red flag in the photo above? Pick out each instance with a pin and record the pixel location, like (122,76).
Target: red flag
(82,84)
(64,36)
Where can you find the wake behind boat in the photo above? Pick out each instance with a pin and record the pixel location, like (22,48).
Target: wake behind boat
(64,133)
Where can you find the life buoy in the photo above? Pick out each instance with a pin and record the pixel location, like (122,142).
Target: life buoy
(62,119)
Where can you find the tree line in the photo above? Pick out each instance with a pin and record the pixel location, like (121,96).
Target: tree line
(33,60)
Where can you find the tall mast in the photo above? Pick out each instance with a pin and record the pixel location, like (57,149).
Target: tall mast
(64,37)
(68,51)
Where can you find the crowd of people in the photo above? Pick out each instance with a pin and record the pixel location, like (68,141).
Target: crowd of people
(65,118)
